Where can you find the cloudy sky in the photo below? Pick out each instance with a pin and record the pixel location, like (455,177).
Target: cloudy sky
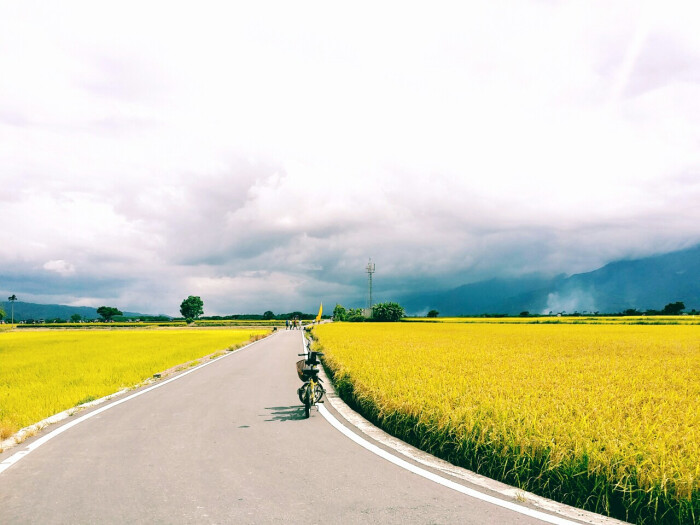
(258,153)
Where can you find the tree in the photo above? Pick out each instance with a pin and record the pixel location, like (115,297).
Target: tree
(191,308)
(107,312)
(12,300)
(297,315)
(355,315)
(673,308)
(524,313)
(269,315)
(75,318)
(387,312)
(433,313)
(340,313)
(2,313)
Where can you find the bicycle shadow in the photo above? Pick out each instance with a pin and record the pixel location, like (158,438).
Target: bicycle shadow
(292,413)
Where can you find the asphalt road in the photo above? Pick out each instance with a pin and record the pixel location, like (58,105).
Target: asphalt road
(227,443)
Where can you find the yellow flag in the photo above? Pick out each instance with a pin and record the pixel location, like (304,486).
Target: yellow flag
(320,311)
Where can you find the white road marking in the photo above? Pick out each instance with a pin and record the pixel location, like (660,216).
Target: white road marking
(41,441)
(439,479)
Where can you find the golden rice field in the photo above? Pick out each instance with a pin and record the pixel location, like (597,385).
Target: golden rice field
(603,417)
(45,372)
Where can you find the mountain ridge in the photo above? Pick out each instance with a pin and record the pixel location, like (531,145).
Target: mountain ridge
(642,284)
(24,311)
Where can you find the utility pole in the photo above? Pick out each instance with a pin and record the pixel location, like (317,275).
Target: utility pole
(370,270)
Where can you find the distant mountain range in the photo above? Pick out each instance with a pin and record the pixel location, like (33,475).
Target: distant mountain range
(24,311)
(642,284)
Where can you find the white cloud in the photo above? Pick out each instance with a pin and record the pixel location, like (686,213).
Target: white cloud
(59,266)
(163,147)
(570,302)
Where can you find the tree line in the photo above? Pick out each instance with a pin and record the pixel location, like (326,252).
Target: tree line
(192,308)
(381,312)
(676,308)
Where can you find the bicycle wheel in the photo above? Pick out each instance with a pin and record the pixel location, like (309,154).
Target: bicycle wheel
(318,393)
(308,400)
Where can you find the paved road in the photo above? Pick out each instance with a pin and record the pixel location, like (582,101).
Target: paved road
(225,444)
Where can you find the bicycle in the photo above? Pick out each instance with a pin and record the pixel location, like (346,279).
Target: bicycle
(311,392)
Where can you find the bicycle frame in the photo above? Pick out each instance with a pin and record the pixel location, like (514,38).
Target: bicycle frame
(311,392)
(310,396)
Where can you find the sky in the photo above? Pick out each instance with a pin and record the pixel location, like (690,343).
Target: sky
(257,154)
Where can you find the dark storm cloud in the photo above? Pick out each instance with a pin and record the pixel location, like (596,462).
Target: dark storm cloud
(47,284)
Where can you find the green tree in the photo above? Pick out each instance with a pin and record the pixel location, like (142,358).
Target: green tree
(355,315)
(107,312)
(387,312)
(2,313)
(673,308)
(75,318)
(12,300)
(191,308)
(433,313)
(340,313)
(269,315)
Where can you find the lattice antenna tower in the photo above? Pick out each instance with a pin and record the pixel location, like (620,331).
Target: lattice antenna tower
(370,270)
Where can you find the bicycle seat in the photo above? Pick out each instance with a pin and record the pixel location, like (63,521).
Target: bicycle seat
(312,359)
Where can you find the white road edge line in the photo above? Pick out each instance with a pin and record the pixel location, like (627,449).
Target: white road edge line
(7,463)
(543,516)
(439,479)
